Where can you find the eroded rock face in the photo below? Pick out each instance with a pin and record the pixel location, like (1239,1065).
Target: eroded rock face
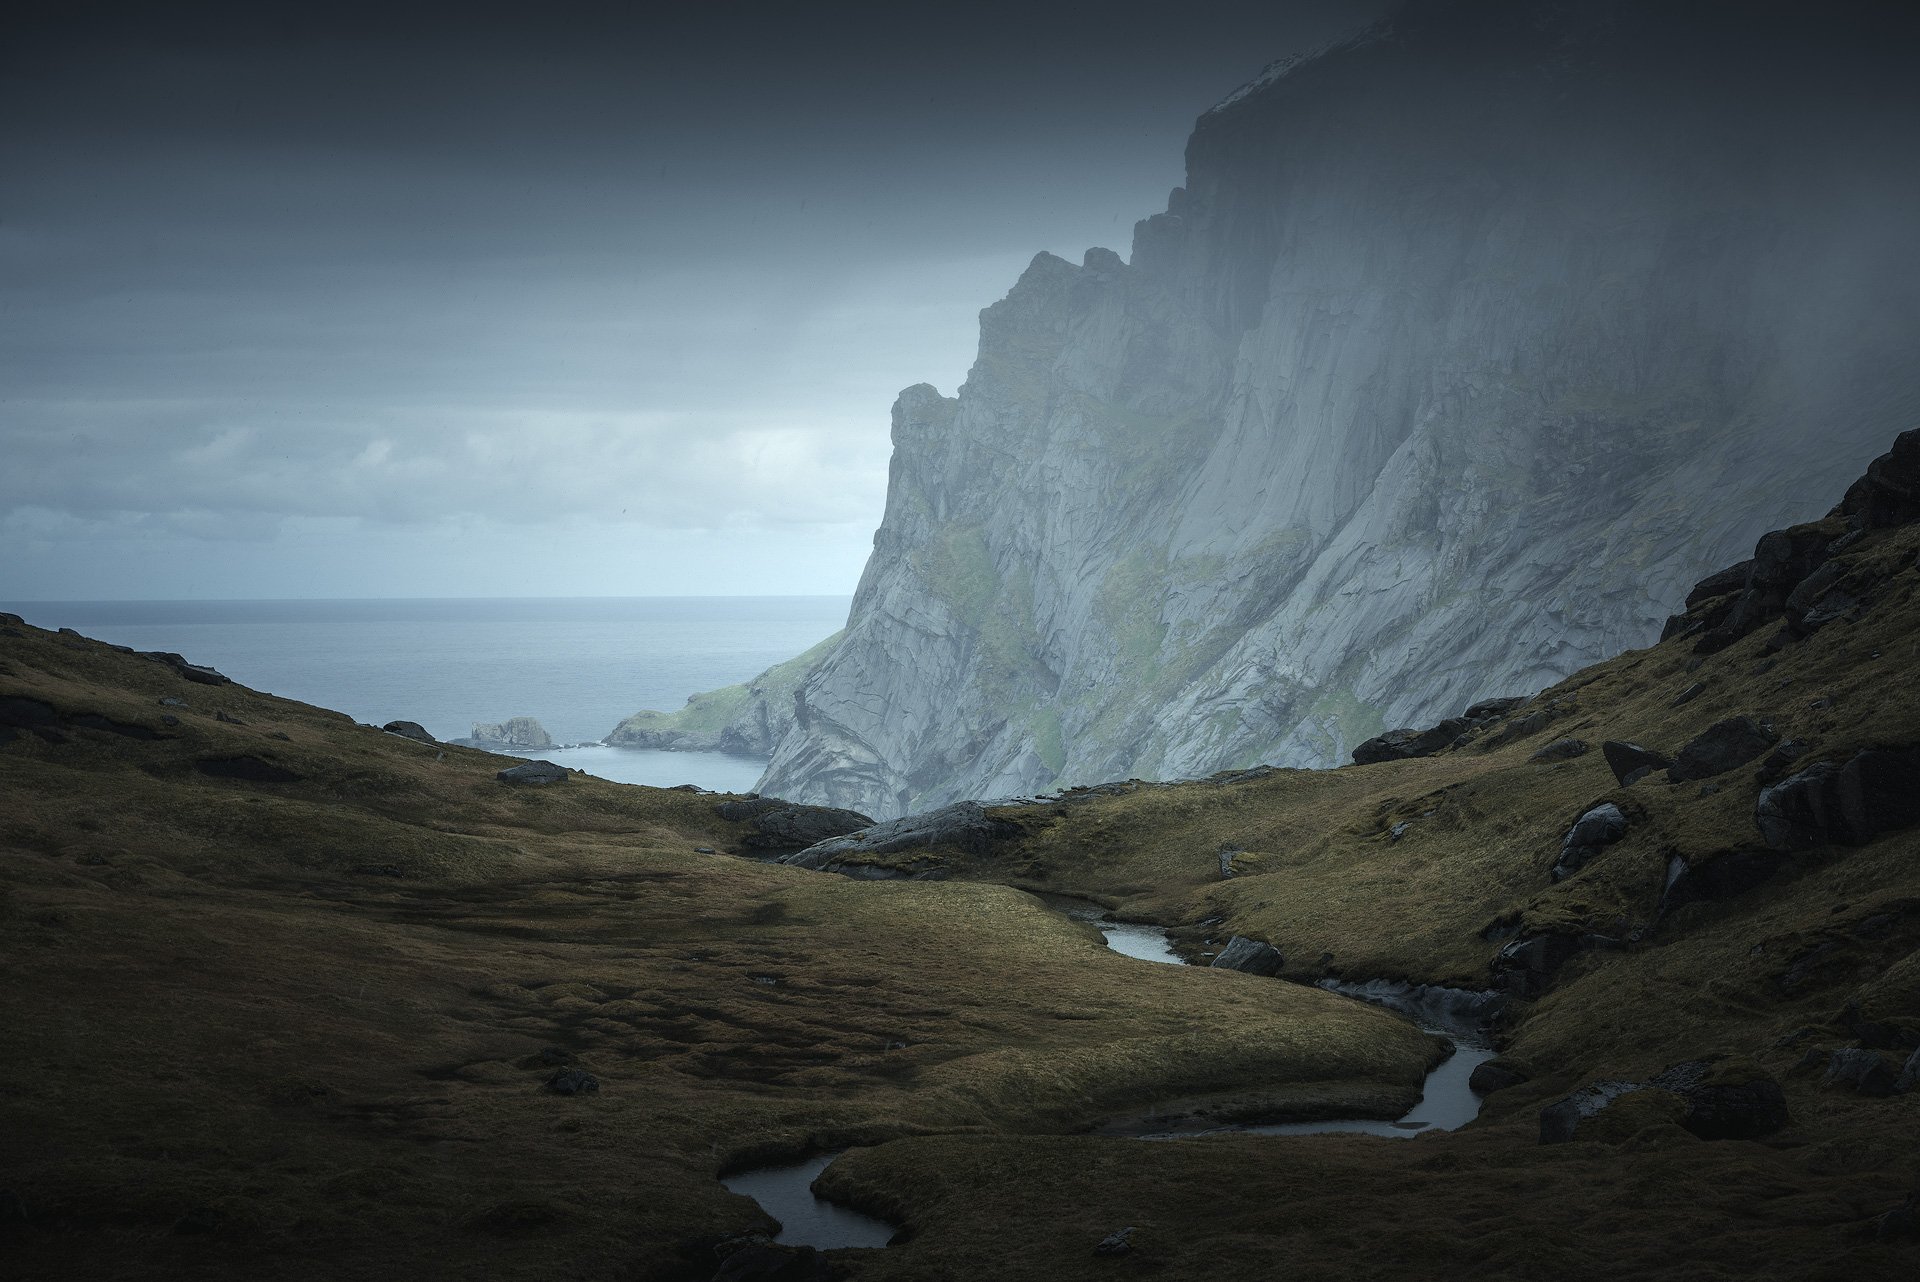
(1833,803)
(1225,500)
(513,734)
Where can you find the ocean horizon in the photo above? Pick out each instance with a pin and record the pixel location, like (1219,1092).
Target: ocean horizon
(578,665)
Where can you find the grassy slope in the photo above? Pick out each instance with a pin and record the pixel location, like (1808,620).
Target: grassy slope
(1323,876)
(226,1011)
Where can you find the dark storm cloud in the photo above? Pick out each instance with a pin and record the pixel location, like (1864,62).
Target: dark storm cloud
(638,264)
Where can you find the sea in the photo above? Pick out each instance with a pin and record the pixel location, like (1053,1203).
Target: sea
(577,665)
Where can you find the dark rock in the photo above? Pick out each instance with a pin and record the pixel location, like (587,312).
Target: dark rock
(1723,746)
(249,768)
(1745,613)
(1909,1074)
(1118,1242)
(1783,558)
(1631,762)
(767,1262)
(189,671)
(1250,956)
(1526,966)
(13,619)
(1720,583)
(1901,1223)
(739,810)
(1560,750)
(224,718)
(1810,589)
(18,710)
(125,729)
(1719,876)
(1689,694)
(1400,745)
(532,772)
(1889,494)
(965,825)
(1728,1098)
(1496,1075)
(1487,709)
(409,730)
(199,1221)
(171,702)
(573,1081)
(1865,1072)
(795,827)
(1561,1121)
(1781,759)
(1593,831)
(1874,792)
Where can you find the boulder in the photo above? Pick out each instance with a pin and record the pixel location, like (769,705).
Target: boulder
(1488,709)
(1118,1242)
(965,825)
(533,772)
(1526,966)
(1876,791)
(1727,1097)
(1865,1072)
(1720,583)
(1716,877)
(1596,829)
(1630,762)
(573,1081)
(795,827)
(1723,746)
(1562,1120)
(1250,956)
(1496,1075)
(1560,750)
(189,671)
(1909,1074)
(1889,494)
(250,768)
(409,730)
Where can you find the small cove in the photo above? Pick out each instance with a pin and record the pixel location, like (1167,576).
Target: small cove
(1447,1103)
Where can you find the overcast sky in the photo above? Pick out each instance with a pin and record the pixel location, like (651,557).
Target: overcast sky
(542,298)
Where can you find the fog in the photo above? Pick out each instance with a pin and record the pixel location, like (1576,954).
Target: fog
(490,300)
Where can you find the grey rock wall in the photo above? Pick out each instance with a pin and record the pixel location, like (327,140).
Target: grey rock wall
(1465,350)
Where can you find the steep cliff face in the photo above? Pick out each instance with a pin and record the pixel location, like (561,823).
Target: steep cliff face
(1467,347)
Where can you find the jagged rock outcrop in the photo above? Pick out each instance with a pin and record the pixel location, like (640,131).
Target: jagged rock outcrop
(1465,349)
(515,734)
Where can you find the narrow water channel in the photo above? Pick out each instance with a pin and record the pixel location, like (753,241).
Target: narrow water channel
(786,1192)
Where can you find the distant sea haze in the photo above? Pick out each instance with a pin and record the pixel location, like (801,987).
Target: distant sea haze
(578,665)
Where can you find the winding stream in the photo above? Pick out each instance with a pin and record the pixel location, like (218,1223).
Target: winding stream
(1446,1103)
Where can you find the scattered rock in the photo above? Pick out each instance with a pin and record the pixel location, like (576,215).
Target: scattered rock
(1865,1072)
(795,827)
(1496,1075)
(1716,877)
(1689,694)
(1526,966)
(1630,762)
(573,1081)
(532,772)
(1488,709)
(1593,831)
(409,730)
(1727,1097)
(221,715)
(171,702)
(1829,803)
(766,1262)
(1723,746)
(512,734)
(1250,956)
(1562,1120)
(1400,745)
(1118,1242)
(1560,750)
(189,671)
(249,768)
(965,825)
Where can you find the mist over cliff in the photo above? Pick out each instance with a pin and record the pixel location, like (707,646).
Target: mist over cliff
(1468,345)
